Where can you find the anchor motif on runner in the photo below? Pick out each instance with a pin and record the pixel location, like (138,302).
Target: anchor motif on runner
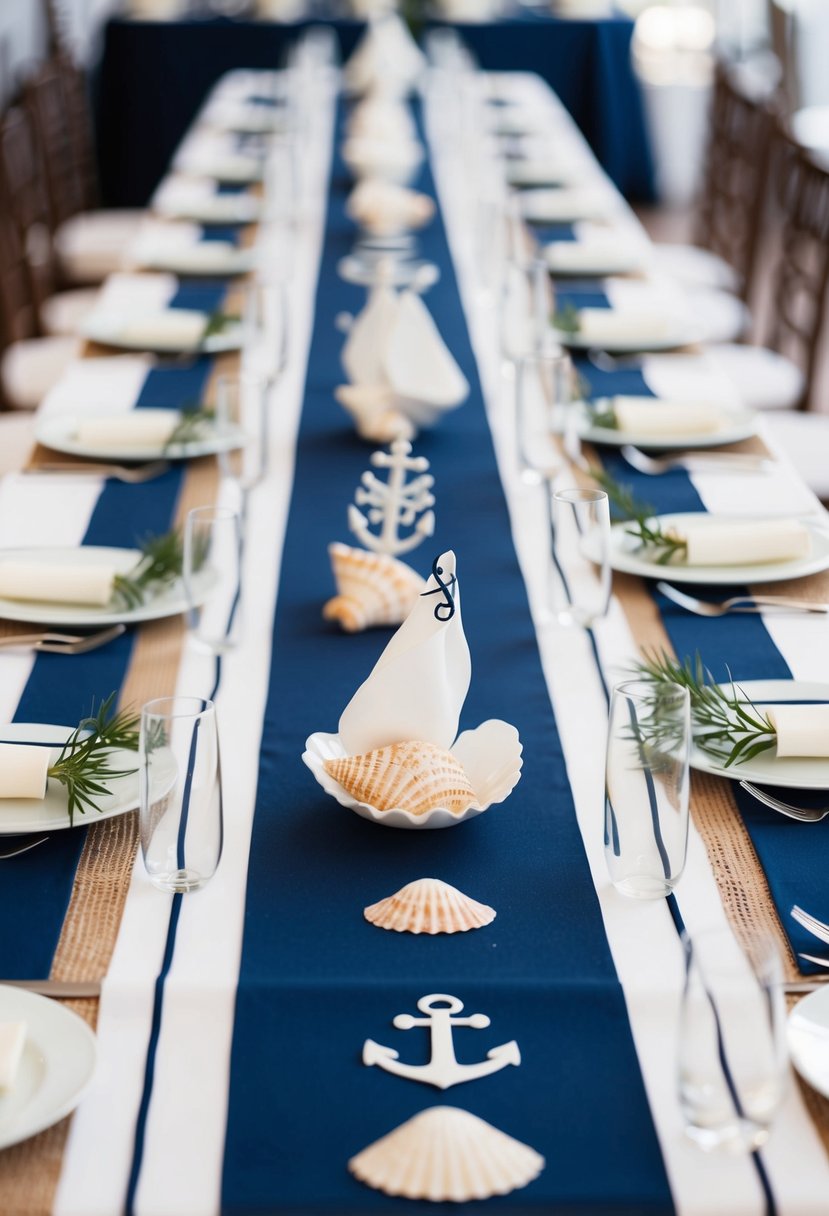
(443,1069)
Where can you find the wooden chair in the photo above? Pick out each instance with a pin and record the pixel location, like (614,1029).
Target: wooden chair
(45,101)
(731,204)
(801,278)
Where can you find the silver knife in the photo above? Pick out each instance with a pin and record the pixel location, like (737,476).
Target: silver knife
(66,989)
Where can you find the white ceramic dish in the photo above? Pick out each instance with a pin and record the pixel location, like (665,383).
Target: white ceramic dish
(490,754)
(21,815)
(628,559)
(679,335)
(57,1064)
(169,602)
(791,772)
(112,329)
(58,433)
(807,1031)
(737,423)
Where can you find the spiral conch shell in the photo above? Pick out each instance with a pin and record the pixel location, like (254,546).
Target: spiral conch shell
(413,776)
(429,905)
(445,1153)
(373,589)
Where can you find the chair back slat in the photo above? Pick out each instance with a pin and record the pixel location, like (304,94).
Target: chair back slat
(25,194)
(735,180)
(801,279)
(45,101)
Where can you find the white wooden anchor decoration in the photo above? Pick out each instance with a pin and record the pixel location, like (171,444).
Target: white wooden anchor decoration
(394,504)
(443,1069)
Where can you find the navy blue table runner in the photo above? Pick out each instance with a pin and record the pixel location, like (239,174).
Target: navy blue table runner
(316,979)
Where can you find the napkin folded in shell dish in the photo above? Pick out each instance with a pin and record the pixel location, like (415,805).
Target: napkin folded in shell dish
(396,759)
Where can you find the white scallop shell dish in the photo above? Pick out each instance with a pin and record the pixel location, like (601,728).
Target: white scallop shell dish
(490,756)
(429,905)
(447,1154)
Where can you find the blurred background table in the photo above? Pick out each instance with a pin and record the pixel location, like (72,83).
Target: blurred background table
(147,97)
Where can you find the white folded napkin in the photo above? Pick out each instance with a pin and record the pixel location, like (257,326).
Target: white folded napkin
(661,418)
(598,255)
(385,209)
(56,583)
(715,543)
(12,1040)
(198,199)
(802,730)
(604,326)
(384,118)
(418,686)
(171,329)
(418,363)
(541,170)
(390,159)
(23,774)
(566,203)
(135,429)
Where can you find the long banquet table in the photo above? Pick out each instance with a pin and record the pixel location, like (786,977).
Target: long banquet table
(231,1021)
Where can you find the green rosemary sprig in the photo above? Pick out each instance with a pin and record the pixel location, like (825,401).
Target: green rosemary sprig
(83,764)
(191,426)
(665,545)
(220,323)
(727,725)
(604,417)
(160,564)
(566,320)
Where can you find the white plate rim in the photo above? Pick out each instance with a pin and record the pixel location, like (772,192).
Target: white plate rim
(48,1017)
(171,602)
(626,561)
(105,332)
(38,732)
(684,335)
(51,431)
(789,772)
(819,1080)
(743,426)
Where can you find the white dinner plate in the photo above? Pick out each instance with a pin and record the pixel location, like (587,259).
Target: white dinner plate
(683,333)
(790,772)
(738,423)
(56,1067)
(626,557)
(58,432)
(21,815)
(599,264)
(807,1030)
(112,329)
(171,601)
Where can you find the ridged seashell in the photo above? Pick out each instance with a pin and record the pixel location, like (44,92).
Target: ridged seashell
(429,905)
(413,776)
(445,1153)
(375,416)
(373,589)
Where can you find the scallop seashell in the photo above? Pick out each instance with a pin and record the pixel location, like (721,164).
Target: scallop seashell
(412,776)
(376,418)
(429,905)
(445,1153)
(373,589)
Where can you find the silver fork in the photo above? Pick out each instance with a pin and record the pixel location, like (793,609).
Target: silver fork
(6,853)
(739,603)
(118,472)
(707,462)
(816,927)
(801,813)
(63,643)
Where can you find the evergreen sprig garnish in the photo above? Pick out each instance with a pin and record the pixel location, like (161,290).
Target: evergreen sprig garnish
(604,417)
(566,320)
(191,426)
(161,562)
(220,323)
(649,533)
(83,764)
(727,725)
